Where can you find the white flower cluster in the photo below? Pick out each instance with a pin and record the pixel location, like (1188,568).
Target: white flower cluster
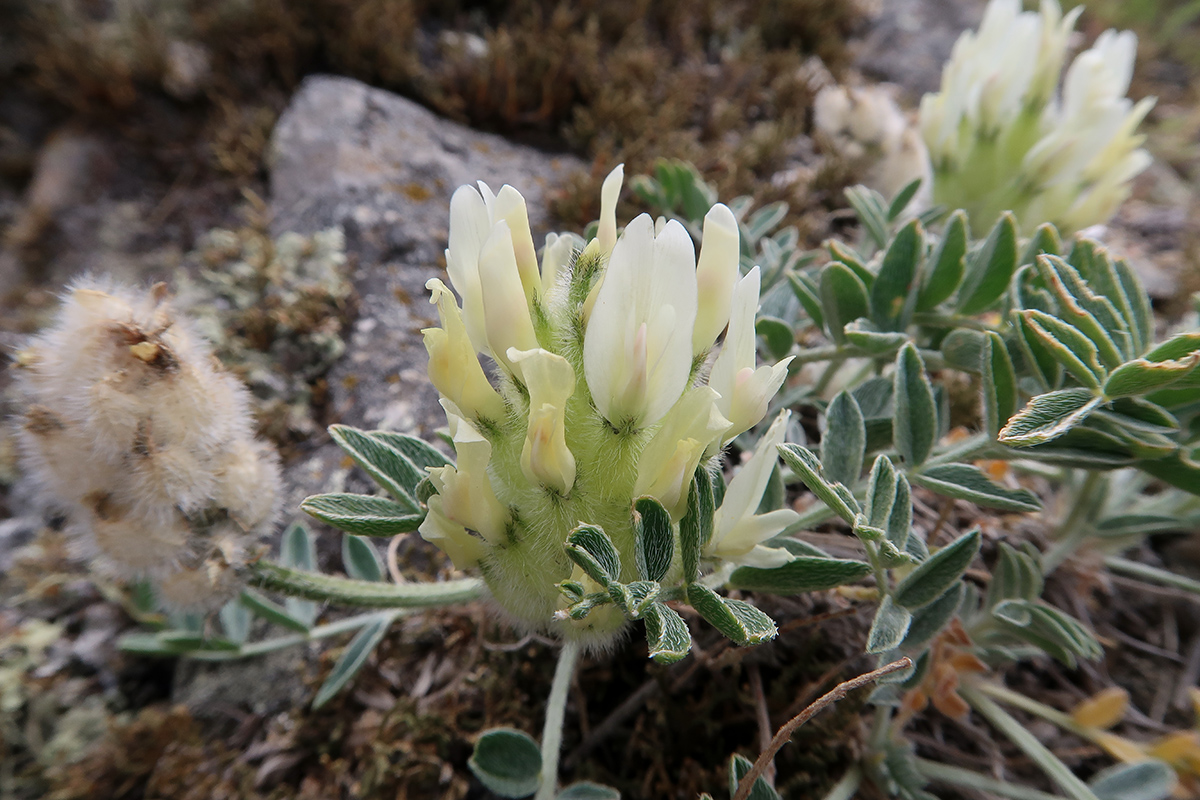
(605,390)
(134,429)
(1000,138)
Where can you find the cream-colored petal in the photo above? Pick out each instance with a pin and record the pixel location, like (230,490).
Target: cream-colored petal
(716,275)
(506,314)
(454,369)
(670,458)
(610,192)
(745,490)
(550,380)
(510,207)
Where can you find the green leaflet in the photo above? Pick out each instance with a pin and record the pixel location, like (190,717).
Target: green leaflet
(889,627)
(1068,346)
(508,762)
(387,466)
(804,574)
(843,298)
(654,539)
(915,419)
(353,657)
(998,384)
(362,514)
(843,445)
(990,269)
(809,470)
(948,262)
(1049,416)
(967,482)
(741,622)
(938,572)
(666,633)
(893,294)
(590,548)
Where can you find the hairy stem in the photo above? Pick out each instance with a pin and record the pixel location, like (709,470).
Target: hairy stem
(785,732)
(556,709)
(349,592)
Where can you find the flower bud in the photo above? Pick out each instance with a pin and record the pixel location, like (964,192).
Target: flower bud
(716,273)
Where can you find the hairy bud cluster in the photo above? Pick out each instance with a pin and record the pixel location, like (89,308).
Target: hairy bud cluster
(603,391)
(1001,138)
(134,429)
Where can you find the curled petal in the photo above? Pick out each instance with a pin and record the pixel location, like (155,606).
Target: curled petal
(610,191)
(451,538)
(550,379)
(466,488)
(737,530)
(454,369)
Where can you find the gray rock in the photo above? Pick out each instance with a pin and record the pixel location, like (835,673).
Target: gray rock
(384,168)
(910,40)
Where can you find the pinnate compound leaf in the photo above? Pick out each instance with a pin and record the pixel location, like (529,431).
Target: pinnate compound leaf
(892,294)
(361,514)
(360,559)
(1091,313)
(508,762)
(666,633)
(738,621)
(968,482)
(998,383)
(948,262)
(353,657)
(843,298)
(655,541)
(889,627)
(809,470)
(738,767)
(938,572)
(915,418)
(1048,416)
(387,466)
(803,574)
(590,548)
(990,268)
(844,443)
(1068,346)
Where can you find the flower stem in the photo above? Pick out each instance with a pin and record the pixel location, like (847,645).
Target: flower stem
(349,592)
(1017,733)
(556,709)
